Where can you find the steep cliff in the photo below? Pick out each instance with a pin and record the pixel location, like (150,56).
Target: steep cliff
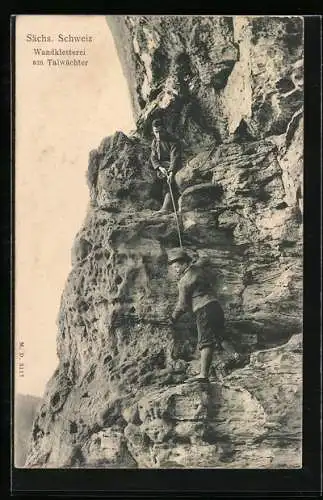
(231,90)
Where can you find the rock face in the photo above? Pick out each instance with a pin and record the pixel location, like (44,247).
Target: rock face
(231,89)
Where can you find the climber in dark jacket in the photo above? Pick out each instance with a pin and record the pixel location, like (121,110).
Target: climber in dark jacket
(195,294)
(166,159)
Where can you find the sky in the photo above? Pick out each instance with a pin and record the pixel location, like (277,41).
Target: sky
(62,112)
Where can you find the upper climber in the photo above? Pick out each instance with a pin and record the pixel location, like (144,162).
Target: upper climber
(166,159)
(195,294)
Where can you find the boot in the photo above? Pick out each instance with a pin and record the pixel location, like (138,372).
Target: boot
(166,205)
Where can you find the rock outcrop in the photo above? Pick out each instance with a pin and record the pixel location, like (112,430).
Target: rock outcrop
(231,89)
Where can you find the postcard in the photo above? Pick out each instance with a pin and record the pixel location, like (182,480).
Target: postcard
(158,248)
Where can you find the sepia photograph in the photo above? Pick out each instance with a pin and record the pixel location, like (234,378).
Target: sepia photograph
(158,242)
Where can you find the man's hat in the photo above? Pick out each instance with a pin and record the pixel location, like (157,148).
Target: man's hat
(176,254)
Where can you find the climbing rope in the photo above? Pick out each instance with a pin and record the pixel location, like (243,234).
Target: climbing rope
(175,211)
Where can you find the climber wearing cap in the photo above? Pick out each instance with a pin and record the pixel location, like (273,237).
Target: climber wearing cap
(166,160)
(195,294)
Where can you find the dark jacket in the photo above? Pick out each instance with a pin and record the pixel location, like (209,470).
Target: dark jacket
(168,154)
(195,289)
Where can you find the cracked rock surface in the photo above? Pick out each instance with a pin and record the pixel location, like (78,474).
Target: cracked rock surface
(231,89)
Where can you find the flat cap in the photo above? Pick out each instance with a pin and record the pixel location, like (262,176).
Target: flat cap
(177,254)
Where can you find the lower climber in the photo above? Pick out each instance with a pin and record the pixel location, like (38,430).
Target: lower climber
(195,294)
